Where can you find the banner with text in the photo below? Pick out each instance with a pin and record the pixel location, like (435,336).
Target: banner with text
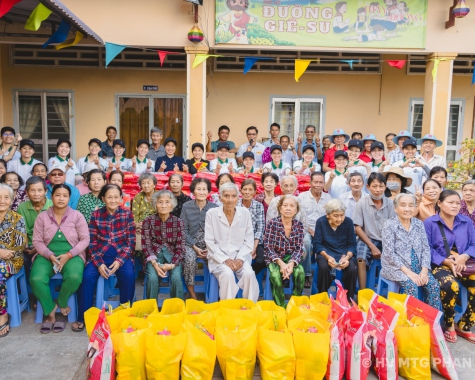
(352,23)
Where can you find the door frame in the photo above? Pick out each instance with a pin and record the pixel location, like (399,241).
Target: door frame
(150,114)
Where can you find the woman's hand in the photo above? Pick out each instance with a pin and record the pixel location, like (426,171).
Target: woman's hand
(113,267)
(344,262)
(159,269)
(6,254)
(201,253)
(424,276)
(414,278)
(103,271)
(460,262)
(331,262)
(63,259)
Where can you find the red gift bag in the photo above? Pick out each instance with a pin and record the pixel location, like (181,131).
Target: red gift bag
(100,353)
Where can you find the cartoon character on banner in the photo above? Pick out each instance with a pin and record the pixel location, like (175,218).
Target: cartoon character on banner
(341,25)
(237,19)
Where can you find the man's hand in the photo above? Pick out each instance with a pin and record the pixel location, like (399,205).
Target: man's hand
(209,134)
(230,264)
(238,264)
(375,252)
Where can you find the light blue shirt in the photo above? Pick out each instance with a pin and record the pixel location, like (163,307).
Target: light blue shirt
(73,200)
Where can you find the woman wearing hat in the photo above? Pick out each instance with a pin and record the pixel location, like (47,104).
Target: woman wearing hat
(119,162)
(8,147)
(336,182)
(368,140)
(92,157)
(377,163)
(306,165)
(140,162)
(169,162)
(23,166)
(428,144)
(196,164)
(247,166)
(396,182)
(276,166)
(338,138)
(222,164)
(355,163)
(63,149)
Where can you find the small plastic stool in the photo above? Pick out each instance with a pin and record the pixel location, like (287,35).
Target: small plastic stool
(463,296)
(385,286)
(212,293)
(373,274)
(17,301)
(268,290)
(56,280)
(105,289)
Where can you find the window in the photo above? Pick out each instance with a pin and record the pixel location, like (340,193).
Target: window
(454,128)
(44,117)
(294,114)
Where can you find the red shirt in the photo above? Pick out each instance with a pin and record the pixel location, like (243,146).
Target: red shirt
(365,158)
(330,156)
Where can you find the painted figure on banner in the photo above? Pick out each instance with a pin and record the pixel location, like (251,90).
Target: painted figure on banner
(237,18)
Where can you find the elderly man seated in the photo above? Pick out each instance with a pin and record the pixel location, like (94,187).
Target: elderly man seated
(229,237)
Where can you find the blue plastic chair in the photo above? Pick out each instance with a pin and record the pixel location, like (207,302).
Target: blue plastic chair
(338,276)
(385,286)
(268,290)
(373,275)
(106,289)
(55,281)
(463,296)
(212,293)
(17,301)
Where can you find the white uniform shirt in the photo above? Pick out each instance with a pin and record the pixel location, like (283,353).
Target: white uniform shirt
(313,209)
(350,203)
(298,165)
(125,164)
(83,161)
(339,185)
(141,166)
(279,171)
(258,149)
(224,167)
(21,168)
(16,155)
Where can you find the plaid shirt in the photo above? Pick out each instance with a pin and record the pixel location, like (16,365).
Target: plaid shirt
(111,231)
(157,235)
(395,155)
(277,245)
(257,216)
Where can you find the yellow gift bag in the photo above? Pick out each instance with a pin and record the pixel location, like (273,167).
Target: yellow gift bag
(143,308)
(413,346)
(297,306)
(173,306)
(267,311)
(311,337)
(90,319)
(129,348)
(238,307)
(164,343)
(275,350)
(195,308)
(199,357)
(236,341)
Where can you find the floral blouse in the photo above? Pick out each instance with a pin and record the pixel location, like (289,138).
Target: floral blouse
(142,208)
(13,236)
(19,198)
(399,245)
(464,211)
(87,204)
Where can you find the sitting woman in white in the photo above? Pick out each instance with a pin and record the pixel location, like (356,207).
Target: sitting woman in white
(277,166)
(222,164)
(306,165)
(229,238)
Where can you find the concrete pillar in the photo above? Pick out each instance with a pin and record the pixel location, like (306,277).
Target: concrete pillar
(437,95)
(195,98)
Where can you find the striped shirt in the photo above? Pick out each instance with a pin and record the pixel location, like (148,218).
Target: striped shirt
(257,216)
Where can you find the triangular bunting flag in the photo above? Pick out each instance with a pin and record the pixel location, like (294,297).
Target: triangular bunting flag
(249,62)
(39,14)
(436,67)
(397,64)
(163,54)
(300,67)
(60,35)
(200,58)
(350,62)
(112,51)
(70,42)
(6,5)
(473,75)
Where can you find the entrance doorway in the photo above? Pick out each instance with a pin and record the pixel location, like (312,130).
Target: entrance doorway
(137,114)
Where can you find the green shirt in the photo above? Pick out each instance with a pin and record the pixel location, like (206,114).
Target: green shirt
(29,214)
(59,245)
(87,204)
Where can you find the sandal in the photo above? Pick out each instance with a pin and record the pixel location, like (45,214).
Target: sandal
(4,326)
(46,327)
(59,327)
(468,335)
(450,336)
(79,328)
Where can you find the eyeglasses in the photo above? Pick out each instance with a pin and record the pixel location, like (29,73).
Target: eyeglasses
(60,174)
(8,134)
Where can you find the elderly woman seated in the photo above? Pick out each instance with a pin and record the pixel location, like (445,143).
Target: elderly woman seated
(283,248)
(229,237)
(163,243)
(334,243)
(406,253)
(13,240)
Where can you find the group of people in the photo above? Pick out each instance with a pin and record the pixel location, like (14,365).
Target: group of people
(367,201)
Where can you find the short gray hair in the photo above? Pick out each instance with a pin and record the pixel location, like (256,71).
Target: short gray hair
(4,186)
(469,182)
(398,197)
(156,130)
(334,205)
(161,194)
(292,177)
(145,176)
(228,186)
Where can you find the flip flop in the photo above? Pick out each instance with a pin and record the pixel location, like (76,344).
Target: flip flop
(78,329)
(46,327)
(468,335)
(450,336)
(4,326)
(59,327)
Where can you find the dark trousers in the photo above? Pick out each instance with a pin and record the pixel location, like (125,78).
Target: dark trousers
(259,264)
(125,279)
(325,279)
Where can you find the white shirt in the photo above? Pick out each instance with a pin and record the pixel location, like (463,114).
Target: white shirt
(224,167)
(258,149)
(298,165)
(436,160)
(269,143)
(350,202)
(16,155)
(70,173)
(21,168)
(125,163)
(339,185)
(417,174)
(312,208)
(81,164)
(141,166)
(224,241)
(279,171)
(289,157)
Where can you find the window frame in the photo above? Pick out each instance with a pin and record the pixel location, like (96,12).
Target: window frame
(44,127)
(297,99)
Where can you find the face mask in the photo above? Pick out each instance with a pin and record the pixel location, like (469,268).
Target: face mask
(393,186)
(374,198)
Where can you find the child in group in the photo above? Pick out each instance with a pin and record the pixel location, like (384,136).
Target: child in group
(355,163)
(140,162)
(277,165)
(23,166)
(92,157)
(222,164)
(62,158)
(119,162)
(307,165)
(336,182)
(377,153)
(169,162)
(196,164)
(247,166)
